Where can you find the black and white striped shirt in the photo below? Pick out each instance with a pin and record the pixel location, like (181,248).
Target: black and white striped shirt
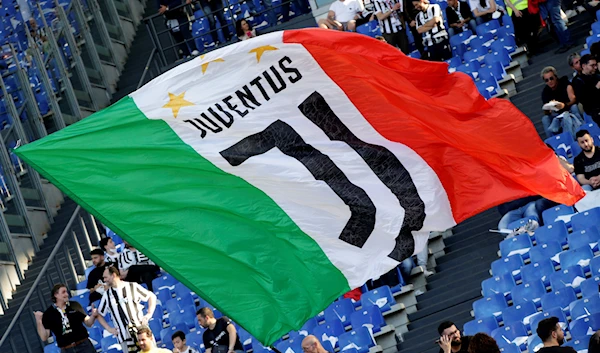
(130,257)
(392,23)
(438,33)
(128,296)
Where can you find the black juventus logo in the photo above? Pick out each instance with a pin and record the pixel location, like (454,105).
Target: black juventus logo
(382,162)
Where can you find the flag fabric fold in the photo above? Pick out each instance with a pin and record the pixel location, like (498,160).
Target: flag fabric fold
(273,175)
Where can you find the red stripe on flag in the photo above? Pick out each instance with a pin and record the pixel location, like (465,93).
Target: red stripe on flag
(484,152)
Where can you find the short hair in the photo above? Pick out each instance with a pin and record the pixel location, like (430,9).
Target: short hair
(444,325)
(55,290)
(546,327)
(581,133)
(112,270)
(97,252)
(548,69)
(586,59)
(103,243)
(205,312)
(483,343)
(572,58)
(179,334)
(144,329)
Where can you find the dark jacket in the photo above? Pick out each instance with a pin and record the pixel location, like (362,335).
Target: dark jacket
(173,14)
(465,12)
(586,92)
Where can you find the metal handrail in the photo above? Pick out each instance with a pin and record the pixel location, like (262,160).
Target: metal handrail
(35,284)
(146,68)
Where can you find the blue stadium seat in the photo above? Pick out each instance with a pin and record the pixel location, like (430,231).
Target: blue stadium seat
(534,343)
(331,328)
(164,295)
(586,219)
(485,325)
(585,307)
(510,348)
(186,316)
(529,292)
(569,277)
(545,252)
(360,338)
(561,141)
(341,310)
(596,28)
(246,338)
(487,87)
(368,316)
(517,313)
(592,39)
(489,306)
(578,344)
(156,326)
(560,298)
(107,342)
(511,264)
(82,299)
(468,69)
(195,340)
(294,344)
(508,333)
(95,336)
(521,241)
(590,286)
(381,297)
(164,281)
(554,312)
(310,325)
(584,327)
(498,284)
(521,222)
(487,27)
(88,270)
(585,237)
(502,56)
(172,305)
(575,257)
(556,231)
(538,270)
(52,348)
(549,215)
(82,285)
(454,62)
(475,54)
(504,42)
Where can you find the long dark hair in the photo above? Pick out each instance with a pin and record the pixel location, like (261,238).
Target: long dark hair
(238,27)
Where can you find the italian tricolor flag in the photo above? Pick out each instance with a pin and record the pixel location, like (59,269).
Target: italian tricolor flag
(273,175)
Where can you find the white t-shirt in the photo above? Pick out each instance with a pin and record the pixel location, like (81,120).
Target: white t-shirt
(475,4)
(346,10)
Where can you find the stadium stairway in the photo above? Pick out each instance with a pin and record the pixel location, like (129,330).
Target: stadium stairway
(450,293)
(59,273)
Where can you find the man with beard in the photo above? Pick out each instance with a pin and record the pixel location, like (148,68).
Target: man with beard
(95,282)
(553,336)
(587,163)
(450,340)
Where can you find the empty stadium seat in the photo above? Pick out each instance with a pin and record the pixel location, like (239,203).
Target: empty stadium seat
(545,252)
(589,287)
(559,298)
(534,343)
(381,297)
(295,345)
(554,312)
(538,270)
(52,348)
(501,55)
(341,310)
(549,215)
(579,256)
(511,264)
(359,338)
(586,326)
(586,237)
(586,219)
(156,327)
(95,336)
(510,333)
(529,292)
(578,344)
(164,295)
(510,348)
(516,244)
(331,328)
(560,141)
(489,306)
(109,341)
(310,325)
(518,312)
(498,284)
(164,281)
(185,316)
(552,231)
(487,27)
(485,325)
(368,316)
(195,340)
(504,42)
(585,307)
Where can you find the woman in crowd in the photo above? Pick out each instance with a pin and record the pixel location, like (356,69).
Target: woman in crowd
(482,343)
(483,10)
(244,30)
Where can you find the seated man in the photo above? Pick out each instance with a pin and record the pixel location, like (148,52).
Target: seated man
(137,267)
(587,163)
(573,61)
(450,340)
(459,16)
(560,94)
(587,87)
(342,15)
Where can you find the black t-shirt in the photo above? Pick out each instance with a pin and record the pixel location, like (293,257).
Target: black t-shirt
(66,331)
(219,335)
(559,94)
(556,349)
(95,277)
(589,167)
(464,346)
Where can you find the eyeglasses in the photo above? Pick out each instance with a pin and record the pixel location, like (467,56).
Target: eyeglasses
(549,79)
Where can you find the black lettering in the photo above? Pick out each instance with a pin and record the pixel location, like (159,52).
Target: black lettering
(289,70)
(247,95)
(272,83)
(202,131)
(227,122)
(215,127)
(256,83)
(282,136)
(234,106)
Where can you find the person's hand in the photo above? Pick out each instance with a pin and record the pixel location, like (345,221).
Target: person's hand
(162,9)
(460,24)
(356,17)
(38,315)
(396,6)
(445,344)
(113,331)
(598,85)
(145,319)
(518,13)
(560,105)
(175,350)
(94,313)
(413,23)
(188,2)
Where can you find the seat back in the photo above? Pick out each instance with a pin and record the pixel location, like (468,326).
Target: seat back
(574,256)
(341,310)
(381,297)
(517,313)
(556,231)
(369,316)
(558,298)
(528,292)
(537,270)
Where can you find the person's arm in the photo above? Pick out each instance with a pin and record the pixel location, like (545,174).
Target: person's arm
(90,319)
(582,180)
(565,164)
(106,326)
(41,329)
(492,8)
(512,7)
(572,96)
(232,337)
(151,305)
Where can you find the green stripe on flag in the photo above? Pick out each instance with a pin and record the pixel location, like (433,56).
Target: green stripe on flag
(225,239)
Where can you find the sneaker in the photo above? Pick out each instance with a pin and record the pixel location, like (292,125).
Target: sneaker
(571,13)
(428,273)
(528,228)
(195,53)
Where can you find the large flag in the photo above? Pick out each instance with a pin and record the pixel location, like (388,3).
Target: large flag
(273,175)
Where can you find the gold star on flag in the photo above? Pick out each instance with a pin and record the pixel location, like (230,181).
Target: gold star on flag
(260,51)
(177,102)
(205,65)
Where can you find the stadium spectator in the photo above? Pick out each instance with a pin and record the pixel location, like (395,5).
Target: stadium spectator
(460,18)
(342,15)
(559,97)
(220,333)
(137,267)
(422,258)
(483,10)
(552,335)
(311,344)
(410,15)
(526,24)
(450,340)
(550,11)
(111,256)
(244,30)
(483,343)
(587,87)
(145,340)
(430,24)
(177,22)
(587,163)
(389,14)
(65,320)
(594,345)
(94,281)
(180,344)
(123,301)
(573,61)
(514,210)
